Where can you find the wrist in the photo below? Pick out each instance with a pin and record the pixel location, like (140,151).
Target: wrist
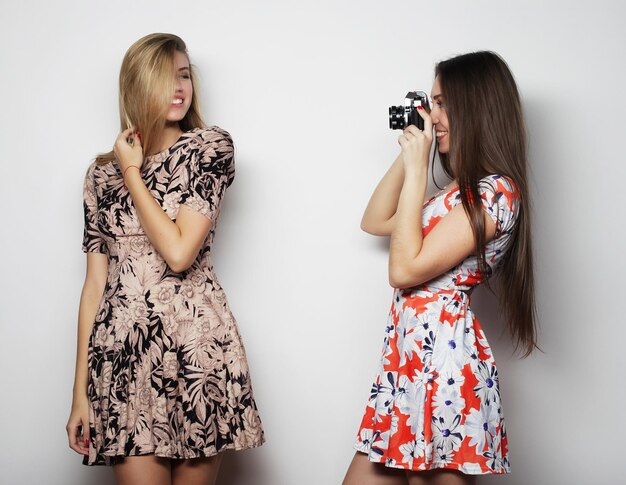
(79,395)
(131,175)
(416,170)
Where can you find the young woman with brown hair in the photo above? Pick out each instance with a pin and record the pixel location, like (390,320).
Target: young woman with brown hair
(162,384)
(435,412)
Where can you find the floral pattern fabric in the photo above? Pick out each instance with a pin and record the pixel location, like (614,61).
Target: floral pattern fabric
(435,402)
(167,369)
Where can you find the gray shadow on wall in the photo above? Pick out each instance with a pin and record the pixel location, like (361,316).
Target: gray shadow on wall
(244,468)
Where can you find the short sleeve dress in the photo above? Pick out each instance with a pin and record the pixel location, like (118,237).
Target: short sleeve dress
(435,402)
(167,368)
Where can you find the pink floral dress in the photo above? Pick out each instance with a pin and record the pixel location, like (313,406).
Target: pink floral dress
(167,369)
(436,401)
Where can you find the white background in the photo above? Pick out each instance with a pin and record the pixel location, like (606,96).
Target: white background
(304,87)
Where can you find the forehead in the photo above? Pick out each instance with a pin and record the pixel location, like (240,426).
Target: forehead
(180,60)
(436,89)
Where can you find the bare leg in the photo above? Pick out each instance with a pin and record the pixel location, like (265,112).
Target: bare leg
(143,470)
(197,471)
(439,477)
(364,472)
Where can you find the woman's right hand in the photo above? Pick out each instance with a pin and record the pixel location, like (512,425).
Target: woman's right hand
(416,143)
(128,150)
(78,426)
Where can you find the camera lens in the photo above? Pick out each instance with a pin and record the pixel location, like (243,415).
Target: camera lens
(396,117)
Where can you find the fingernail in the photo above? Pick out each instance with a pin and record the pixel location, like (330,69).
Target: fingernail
(419,107)
(86,442)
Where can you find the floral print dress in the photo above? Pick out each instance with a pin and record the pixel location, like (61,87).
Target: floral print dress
(435,402)
(167,369)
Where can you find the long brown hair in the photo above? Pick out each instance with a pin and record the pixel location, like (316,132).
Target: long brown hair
(147,81)
(488,136)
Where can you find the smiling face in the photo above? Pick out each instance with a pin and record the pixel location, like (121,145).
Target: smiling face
(181,99)
(439,116)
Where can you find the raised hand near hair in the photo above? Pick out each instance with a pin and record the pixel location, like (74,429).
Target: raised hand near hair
(128,150)
(416,143)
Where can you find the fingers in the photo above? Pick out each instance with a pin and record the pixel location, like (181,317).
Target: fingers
(128,149)
(412,130)
(124,136)
(137,141)
(127,133)
(129,136)
(428,122)
(403,141)
(411,134)
(78,436)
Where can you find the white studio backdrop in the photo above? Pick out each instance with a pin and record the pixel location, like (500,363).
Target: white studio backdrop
(303,87)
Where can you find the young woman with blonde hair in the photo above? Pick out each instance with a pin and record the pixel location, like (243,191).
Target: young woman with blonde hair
(162,384)
(435,412)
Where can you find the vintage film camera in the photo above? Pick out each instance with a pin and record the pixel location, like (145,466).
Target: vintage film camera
(402,116)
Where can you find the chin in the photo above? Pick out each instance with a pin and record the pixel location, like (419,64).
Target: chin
(175,118)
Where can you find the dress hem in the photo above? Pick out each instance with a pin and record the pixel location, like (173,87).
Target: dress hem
(432,466)
(110,460)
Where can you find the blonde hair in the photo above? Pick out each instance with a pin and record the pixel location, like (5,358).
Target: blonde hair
(147,81)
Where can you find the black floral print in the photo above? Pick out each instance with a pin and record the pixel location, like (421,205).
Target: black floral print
(167,369)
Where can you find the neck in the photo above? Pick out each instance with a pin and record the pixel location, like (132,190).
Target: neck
(170,134)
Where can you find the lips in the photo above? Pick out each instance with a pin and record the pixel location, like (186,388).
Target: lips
(440,135)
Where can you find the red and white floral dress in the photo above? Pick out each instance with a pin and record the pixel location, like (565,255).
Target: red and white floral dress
(436,402)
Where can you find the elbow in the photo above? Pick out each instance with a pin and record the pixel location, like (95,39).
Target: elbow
(373,229)
(397,281)
(401,279)
(396,277)
(179,263)
(179,267)
(365,227)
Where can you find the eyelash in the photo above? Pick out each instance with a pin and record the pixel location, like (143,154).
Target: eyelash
(185,76)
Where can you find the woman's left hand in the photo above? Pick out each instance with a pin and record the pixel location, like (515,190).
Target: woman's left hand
(128,150)
(416,143)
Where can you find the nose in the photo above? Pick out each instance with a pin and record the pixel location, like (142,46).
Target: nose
(434,115)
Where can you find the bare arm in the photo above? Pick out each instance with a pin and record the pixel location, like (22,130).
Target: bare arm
(93,289)
(177,242)
(413,259)
(379,216)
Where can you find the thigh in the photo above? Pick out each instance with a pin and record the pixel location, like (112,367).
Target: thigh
(364,472)
(143,470)
(197,471)
(440,477)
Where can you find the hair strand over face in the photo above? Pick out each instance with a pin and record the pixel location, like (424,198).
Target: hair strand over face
(146,85)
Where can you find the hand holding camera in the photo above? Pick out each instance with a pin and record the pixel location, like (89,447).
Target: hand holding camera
(417,137)
(402,116)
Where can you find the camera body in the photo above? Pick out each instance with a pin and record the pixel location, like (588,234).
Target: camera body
(402,116)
